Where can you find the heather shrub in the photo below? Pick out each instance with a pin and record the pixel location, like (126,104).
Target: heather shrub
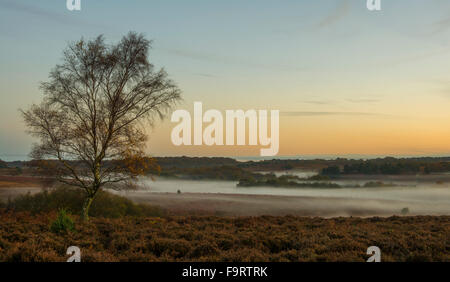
(29,251)
(26,237)
(204,249)
(175,248)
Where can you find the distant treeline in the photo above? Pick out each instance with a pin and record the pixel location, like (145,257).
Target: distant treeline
(226,168)
(390,166)
(3,164)
(163,162)
(437,164)
(194,162)
(285,182)
(224,172)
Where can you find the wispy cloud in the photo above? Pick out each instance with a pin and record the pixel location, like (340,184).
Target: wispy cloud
(414,58)
(441,26)
(201,56)
(301,113)
(318,102)
(350,100)
(363,101)
(443,86)
(204,75)
(341,10)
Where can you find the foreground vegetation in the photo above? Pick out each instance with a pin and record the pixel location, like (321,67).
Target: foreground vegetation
(32,229)
(71,199)
(191,238)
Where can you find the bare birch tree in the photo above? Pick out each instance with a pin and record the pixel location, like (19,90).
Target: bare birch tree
(90,122)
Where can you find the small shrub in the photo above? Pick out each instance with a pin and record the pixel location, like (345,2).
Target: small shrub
(63,223)
(405,211)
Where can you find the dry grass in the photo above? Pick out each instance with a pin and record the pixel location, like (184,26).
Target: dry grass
(24,237)
(21,181)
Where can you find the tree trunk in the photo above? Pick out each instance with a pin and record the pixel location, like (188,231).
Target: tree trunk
(91,193)
(86,206)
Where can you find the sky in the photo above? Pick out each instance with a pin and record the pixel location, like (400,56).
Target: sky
(346,80)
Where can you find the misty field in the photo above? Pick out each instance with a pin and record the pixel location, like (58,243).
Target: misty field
(26,237)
